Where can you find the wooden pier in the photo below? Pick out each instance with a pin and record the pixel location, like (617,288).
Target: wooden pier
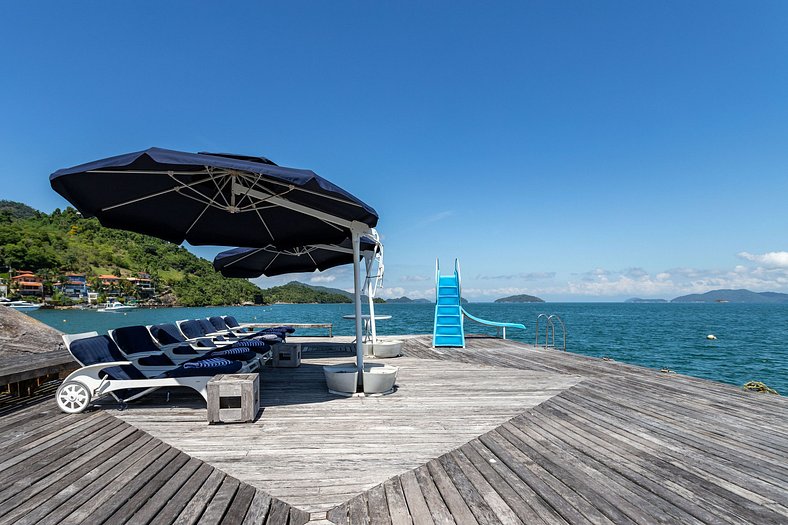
(498,432)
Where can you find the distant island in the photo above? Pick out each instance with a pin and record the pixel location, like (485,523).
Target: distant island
(639,300)
(734,296)
(295,292)
(522,298)
(407,300)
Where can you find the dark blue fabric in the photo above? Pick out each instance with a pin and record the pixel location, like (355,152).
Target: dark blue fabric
(134,339)
(251,343)
(192,329)
(235,354)
(207,326)
(155,360)
(218,323)
(270,261)
(231,321)
(167,334)
(225,367)
(146,180)
(101,349)
(184,350)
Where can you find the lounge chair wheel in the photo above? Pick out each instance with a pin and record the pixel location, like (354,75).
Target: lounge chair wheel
(73,397)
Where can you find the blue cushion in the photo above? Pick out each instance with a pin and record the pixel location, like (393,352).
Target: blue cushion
(134,339)
(167,333)
(230,321)
(206,367)
(218,323)
(101,349)
(184,350)
(206,326)
(192,329)
(156,360)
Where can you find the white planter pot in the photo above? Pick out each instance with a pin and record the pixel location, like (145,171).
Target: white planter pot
(387,349)
(341,379)
(379,378)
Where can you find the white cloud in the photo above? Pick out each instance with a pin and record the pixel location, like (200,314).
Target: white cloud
(769,259)
(323,279)
(414,278)
(531,276)
(392,292)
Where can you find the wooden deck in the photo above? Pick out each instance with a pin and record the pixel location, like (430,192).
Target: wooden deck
(316,450)
(497,433)
(94,468)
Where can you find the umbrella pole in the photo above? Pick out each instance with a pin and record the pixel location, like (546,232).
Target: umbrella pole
(368,261)
(356,238)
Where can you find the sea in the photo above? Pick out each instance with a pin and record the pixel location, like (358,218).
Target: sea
(751,339)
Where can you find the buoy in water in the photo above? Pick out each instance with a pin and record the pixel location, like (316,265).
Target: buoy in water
(711,336)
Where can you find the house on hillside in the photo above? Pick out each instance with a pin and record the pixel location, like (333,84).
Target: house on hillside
(74,286)
(143,283)
(110,283)
(28,283)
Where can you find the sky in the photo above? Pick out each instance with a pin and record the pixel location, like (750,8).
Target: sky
(577,151)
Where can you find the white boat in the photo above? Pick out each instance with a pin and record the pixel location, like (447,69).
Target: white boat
(115,306)
(24,306)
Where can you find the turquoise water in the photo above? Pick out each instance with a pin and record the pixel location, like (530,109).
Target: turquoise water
(752,340)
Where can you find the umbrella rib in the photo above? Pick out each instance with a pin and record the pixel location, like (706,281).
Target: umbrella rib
(244,256)
(158,193)
(265,225)
(211,202)
(209,169)
(270,263)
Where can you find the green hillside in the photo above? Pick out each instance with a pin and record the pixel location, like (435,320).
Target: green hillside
(295,292)
(64,241)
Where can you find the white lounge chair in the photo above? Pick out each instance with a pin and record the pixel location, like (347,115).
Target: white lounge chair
(105,371)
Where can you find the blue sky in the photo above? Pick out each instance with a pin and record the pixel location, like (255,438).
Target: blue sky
(572,150)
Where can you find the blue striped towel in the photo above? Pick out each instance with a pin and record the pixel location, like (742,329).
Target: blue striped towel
(236,350)
(213,362)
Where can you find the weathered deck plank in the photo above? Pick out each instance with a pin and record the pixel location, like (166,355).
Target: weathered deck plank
(497,432)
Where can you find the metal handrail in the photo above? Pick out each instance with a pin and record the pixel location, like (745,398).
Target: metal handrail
(549,335)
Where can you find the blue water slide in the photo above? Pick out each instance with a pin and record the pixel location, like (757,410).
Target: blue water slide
(448,329)
(501,326)
(449,314)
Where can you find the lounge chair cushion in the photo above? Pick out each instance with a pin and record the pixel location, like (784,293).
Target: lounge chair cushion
(155,360)
(102,349)
(207,326)
(205,367)
(167,334)
(192,329)
(134,339)
(184,350)
(218,323)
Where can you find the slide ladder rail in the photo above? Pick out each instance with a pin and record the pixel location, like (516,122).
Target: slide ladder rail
(499,325)
(549,334)
(448,329)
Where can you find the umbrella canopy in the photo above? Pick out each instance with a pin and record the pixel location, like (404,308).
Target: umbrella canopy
(213,198)
(271,261)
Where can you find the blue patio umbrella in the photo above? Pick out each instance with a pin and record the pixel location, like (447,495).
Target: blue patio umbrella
(213,198)
(218,199)
(271,261)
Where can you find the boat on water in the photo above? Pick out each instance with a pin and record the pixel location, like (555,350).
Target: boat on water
(116,306)
(24,306)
